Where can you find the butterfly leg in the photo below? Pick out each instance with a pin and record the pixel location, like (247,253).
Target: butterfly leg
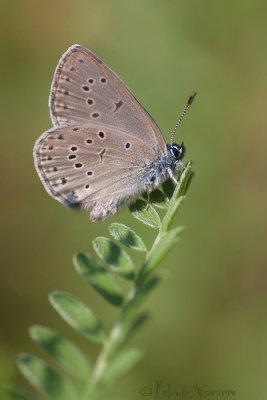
(182,164)
(148,201)
(172,177)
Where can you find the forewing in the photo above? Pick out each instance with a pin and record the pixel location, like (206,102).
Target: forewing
(85,90)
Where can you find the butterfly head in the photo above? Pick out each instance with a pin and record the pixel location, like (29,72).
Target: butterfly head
(177,150)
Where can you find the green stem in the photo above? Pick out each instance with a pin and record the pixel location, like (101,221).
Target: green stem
(102,359)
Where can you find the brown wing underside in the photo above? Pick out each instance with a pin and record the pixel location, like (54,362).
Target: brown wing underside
(84,89)
(83,165)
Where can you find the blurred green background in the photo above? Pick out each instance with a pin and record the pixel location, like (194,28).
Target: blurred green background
(209,317)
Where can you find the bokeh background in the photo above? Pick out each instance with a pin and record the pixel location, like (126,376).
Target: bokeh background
(209,317)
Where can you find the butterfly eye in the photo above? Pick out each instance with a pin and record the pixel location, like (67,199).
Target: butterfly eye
(178,151)
(174,151)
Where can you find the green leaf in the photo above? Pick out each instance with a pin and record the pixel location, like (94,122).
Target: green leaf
(127,236)
(132,326)
(148,216)
(168,188)
(126,331)
(99,278)
(159,199)
(177,198)
(46,379)
(12,393)
(115,256)
(64,352)
(175,204)
(185,178)
(121,365)
(160,249)
(78,315)
(139,296)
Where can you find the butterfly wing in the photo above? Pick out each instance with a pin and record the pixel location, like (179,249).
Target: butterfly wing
(85,90)
(102,141)
(92,167)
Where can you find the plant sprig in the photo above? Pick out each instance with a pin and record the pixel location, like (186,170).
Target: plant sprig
(78,378)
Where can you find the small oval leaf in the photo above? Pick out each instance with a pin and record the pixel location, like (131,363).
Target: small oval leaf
(115,256)
(45,378)
(168,188)
(78,316)
(99,278)
(64,352)
(158,199)
(147,215)
(120,365)
(127,236)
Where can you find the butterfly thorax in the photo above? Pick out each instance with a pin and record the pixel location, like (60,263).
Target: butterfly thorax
(159,170)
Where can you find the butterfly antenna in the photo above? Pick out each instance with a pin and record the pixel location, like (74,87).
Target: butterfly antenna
(188,104)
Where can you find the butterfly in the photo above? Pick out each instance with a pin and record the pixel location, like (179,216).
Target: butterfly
(104,149)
